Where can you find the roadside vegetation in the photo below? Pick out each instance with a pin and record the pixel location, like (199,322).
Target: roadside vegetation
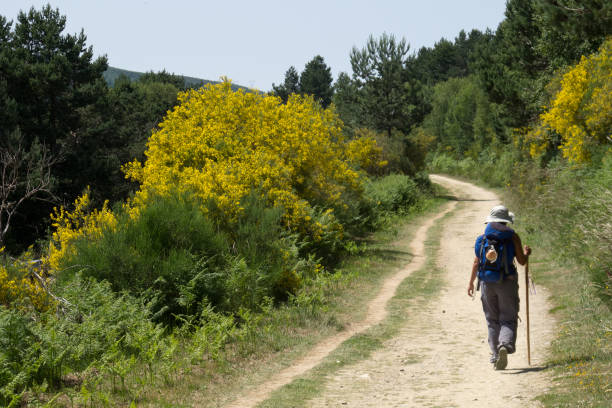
(104,345)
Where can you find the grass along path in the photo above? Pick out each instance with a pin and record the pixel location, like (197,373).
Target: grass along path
(376,313)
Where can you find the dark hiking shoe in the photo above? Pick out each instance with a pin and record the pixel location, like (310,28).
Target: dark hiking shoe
(502,361)
(494,358)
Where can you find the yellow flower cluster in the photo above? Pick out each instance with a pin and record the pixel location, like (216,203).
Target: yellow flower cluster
(535,140)
(582,110)
(222,145)
(17,284)
(365,152)
(82,221)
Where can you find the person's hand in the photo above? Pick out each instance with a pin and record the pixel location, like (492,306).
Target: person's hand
(527,250)
(471,289)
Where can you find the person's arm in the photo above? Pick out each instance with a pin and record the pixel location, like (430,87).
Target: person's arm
(521,253)
(470,290)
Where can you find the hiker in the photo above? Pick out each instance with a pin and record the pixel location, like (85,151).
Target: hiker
(497,277)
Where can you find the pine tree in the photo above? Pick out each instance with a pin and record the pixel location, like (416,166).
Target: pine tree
(316,80)
(290,85)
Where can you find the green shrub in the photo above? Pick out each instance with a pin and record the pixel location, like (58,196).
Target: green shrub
(441,163)
(174,256)
(157,254)
(495,167)
(393,193)
(18,362)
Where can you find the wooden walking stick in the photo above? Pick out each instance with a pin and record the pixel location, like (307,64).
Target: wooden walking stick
(527,309)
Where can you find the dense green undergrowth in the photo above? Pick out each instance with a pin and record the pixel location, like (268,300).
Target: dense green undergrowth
(172,294)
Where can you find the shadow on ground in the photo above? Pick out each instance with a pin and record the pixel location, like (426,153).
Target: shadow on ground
(525,370)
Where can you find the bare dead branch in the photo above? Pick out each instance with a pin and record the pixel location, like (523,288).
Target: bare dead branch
(24,175)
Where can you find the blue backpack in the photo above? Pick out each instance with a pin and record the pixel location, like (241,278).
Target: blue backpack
(497,241)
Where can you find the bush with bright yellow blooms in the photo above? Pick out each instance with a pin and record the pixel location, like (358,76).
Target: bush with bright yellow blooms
(83,221)
(581,111)
(222,145)
(18,286)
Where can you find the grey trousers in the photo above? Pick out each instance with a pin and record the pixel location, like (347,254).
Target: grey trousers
(500,303)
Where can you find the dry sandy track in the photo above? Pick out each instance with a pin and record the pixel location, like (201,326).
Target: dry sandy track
(440,358)
(376,313)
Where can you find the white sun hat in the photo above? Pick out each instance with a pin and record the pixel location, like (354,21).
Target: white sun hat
(499,213)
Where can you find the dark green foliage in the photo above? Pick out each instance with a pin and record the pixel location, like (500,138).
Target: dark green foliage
(403,154)
(177,258)
(346,100)
(387,95)
(462,120)
(316,80)
(53,94)
(514,64)
(48,80)
(290,85)
(384,95)
(390,89)
(264,257)
(536,38)
(163,252)
(446,59)
(518,34)
(132,111)
(26,175)
(51,76)
(572,28)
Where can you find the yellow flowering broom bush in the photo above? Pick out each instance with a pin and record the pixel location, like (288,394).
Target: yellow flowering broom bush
(83,221)
(260,172)
(19,286)
(224,144)
(581,112)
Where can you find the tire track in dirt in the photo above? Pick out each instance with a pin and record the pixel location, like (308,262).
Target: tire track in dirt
(376,313)
(440,357)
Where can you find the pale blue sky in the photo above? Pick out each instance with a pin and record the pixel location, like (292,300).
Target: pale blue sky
(254,42)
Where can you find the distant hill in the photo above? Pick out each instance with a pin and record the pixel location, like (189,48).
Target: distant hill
(112,73)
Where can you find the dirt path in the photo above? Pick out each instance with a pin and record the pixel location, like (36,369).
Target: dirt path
(376,314)
(440,358)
